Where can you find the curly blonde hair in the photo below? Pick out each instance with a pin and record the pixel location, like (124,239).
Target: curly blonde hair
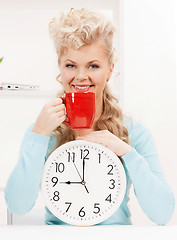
(81,27)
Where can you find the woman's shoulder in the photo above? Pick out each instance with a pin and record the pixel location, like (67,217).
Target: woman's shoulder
(131,123)
(137,129)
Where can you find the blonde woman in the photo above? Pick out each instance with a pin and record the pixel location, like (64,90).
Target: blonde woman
(84,45)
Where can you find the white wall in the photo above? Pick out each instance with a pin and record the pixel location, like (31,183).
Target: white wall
(147,78)
(149,73)
(29,57)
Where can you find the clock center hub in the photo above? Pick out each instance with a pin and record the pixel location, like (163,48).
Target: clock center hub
(83,182)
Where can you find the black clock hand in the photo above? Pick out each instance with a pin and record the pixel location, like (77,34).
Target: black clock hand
(83,179)
(83,182)
(68,182)
(83,170)
(86,187)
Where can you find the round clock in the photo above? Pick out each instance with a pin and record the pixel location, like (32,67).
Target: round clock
(83,183)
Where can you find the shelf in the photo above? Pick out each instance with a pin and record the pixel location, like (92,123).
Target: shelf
(35,93)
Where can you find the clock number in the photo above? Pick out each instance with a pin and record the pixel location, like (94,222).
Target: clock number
(56,196)
(71,156)
(54,180)
(81,212)
(97,208)
(60,167)
(110,171)
(68,206)
(86,151)
(112,184)
(108,198)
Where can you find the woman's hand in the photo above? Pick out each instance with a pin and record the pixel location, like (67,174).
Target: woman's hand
(109,140)
(50,117)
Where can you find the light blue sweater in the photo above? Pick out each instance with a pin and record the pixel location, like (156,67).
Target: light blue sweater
(142,170)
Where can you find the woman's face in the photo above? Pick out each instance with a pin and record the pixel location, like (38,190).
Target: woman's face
(85,70)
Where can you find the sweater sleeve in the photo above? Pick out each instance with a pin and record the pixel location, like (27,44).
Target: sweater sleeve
(150,186)
(23,184)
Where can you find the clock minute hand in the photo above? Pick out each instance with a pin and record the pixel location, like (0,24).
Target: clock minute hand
(83,176)
(82,181)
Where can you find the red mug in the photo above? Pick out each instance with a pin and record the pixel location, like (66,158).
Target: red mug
(80,109)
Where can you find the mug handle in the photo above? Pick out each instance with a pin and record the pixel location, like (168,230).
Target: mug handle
(65,122)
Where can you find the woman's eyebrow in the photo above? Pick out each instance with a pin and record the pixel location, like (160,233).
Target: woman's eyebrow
(90,62)
(70,61)
(95,60)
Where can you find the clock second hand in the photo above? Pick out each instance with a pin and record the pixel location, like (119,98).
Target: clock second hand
(77,170)
(83,182)
(86,187)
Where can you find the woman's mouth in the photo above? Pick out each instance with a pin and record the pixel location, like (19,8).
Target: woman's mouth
(82,87)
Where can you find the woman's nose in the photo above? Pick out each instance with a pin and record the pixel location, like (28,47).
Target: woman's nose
(81,75)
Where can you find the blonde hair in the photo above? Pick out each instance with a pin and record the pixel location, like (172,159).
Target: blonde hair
(73,30)
(80,27)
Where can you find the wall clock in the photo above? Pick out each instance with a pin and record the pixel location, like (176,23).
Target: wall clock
(83,183)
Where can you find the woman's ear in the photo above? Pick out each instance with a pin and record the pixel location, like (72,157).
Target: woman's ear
(110,71)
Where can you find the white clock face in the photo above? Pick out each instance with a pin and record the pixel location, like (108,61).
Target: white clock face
(83,183)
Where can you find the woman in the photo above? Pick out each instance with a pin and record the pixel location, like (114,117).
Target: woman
(84,45)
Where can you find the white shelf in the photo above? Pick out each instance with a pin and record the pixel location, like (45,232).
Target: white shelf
(23,93)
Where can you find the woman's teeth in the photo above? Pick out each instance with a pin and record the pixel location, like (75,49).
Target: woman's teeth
(83,88)
(79,87)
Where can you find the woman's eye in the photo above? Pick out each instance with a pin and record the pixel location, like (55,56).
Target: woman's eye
(70,66)
(94,66)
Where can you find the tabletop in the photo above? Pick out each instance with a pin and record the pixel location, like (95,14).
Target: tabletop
(107,232)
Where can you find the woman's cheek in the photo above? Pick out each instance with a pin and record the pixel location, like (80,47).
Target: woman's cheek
(98,78)
(67,77)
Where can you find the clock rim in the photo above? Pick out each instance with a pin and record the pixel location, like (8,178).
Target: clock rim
(123,185)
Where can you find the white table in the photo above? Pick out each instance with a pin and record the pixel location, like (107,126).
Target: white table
(115,232)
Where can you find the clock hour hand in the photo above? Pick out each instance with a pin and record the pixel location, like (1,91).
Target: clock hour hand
(69,182)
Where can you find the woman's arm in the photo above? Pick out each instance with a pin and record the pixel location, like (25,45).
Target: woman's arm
(141,160)
(23,184)
(150,186)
